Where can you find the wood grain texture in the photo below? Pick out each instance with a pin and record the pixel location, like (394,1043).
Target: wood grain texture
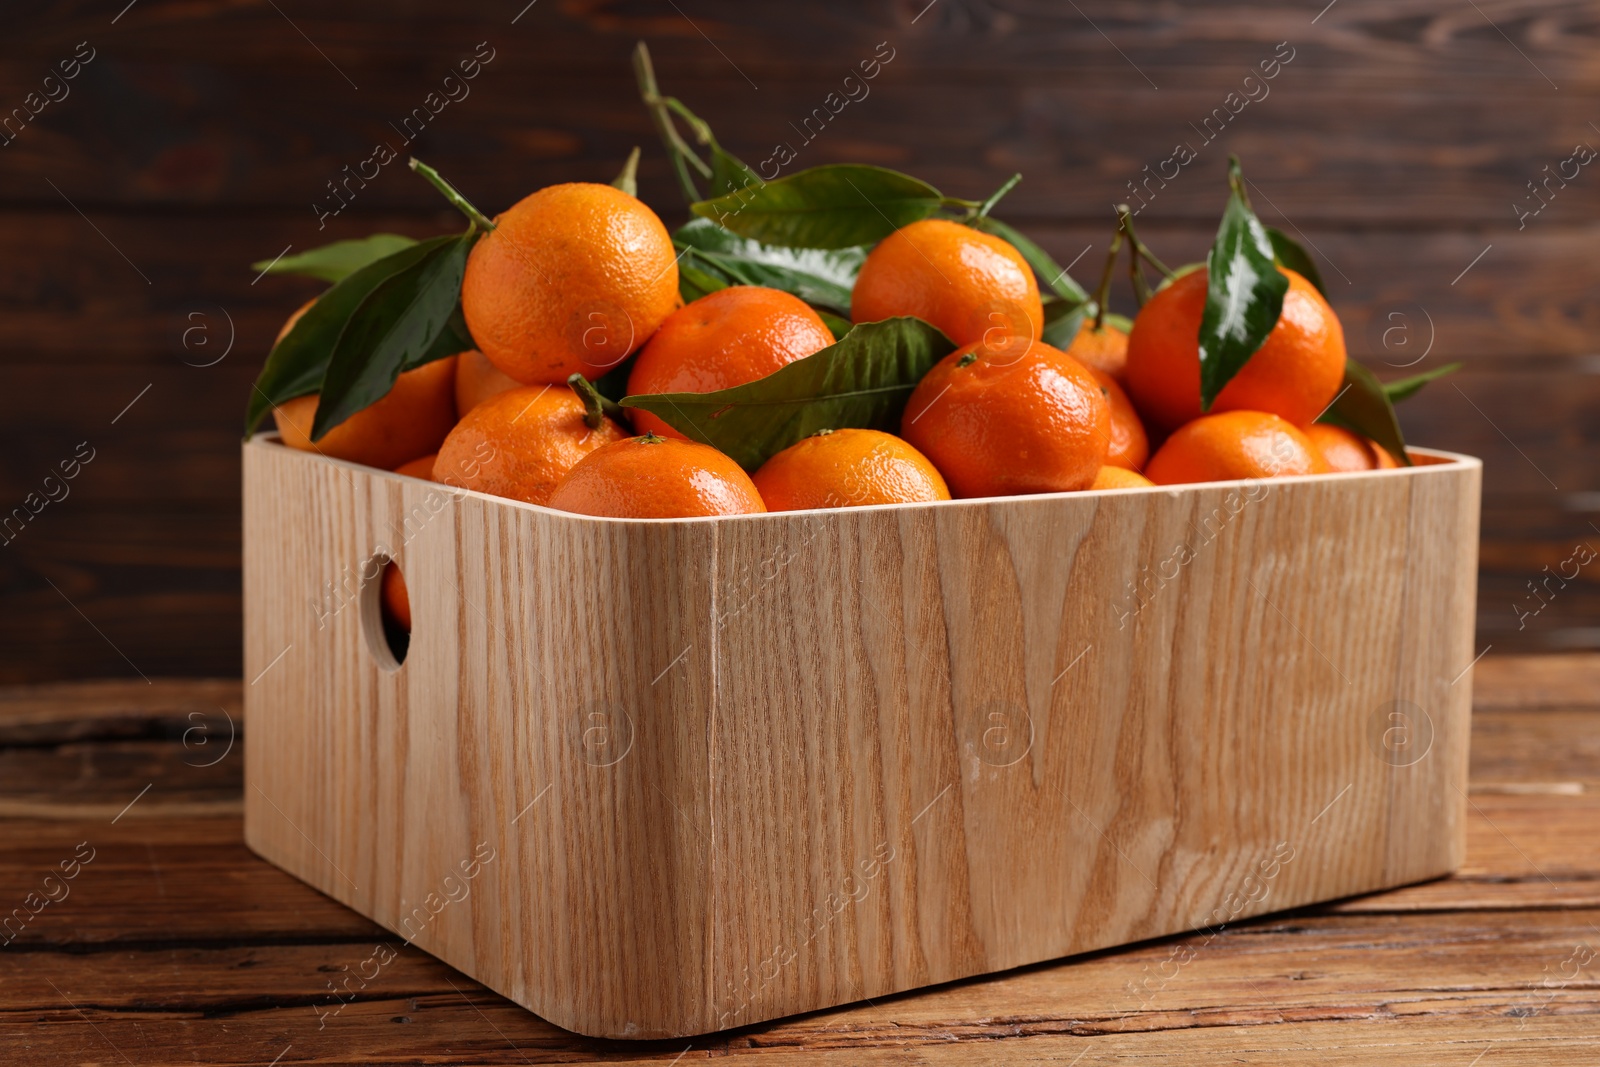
(177,945)
(831,756)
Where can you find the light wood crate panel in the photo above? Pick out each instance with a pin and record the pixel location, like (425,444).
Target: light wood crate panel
(708,772)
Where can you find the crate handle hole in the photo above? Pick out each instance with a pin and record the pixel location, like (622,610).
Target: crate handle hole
(385,612)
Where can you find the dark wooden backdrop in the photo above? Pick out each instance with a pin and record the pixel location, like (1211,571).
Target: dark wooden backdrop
(1397,141)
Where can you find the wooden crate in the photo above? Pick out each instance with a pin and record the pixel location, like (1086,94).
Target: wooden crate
(658,778)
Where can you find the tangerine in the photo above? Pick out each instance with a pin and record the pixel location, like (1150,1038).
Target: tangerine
(725,338)
(1026,419)
(1232,445)
(1347,451)
(1120,478)
(572,279)
(408,421)
(651,477)
(1105,349)
(477,380)
(521,443)
(970,284)
(846,469)
(1296,372)
(1130,445)
(396,601)
(421,467)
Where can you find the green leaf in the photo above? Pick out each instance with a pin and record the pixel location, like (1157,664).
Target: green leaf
(863,380)
(1364,407)
(832,206)
(1121,322)
(628,179)
(836,324)
(297,363)
(397,326)
(821,277)
(1050,273)
(1062,320)
(335,262)
(1287,251)
(1406,388)
(453,339)
(1244,293)
(729,174)
(697,277)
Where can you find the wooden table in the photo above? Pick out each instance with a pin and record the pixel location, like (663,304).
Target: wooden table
(171,943)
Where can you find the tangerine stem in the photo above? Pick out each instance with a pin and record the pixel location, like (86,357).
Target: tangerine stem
(462,204)
(983,209)
(1139,247)
(1102,293)
(678,151)
(596,407)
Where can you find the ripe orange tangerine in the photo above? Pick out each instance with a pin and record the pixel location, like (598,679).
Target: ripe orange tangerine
(477,380)
(651,477)
(521,443)
(1295,374)
(572,279)
(726,338)
(1105,349)
(396,601)
(1347,451)
(421,467)
(409,421)
(1027,419)
(970,284)
(1130,446)
(1120,478)
(846,469)
(1233,445)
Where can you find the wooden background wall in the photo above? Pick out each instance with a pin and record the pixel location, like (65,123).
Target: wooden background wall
(197,138)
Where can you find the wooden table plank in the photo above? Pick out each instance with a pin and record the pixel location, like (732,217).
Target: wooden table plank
(177,945)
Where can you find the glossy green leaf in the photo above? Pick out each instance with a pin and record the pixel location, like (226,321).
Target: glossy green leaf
(335,262)
(628,179)
(1289,253)
(837,325)
(863,380)
(1362,405)
(730,174)
(834,206)
(297,363)
(820,277)
(1051,274)
(1121,322)
(697,277)
(1406,388)
(398,325)
(1244,293)
(1062,320)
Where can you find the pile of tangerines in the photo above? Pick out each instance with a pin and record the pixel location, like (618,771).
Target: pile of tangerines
(1003,414)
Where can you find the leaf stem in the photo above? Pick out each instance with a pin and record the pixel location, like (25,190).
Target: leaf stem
(462,204)
(994,198)
(677,150)
(628,180)
(596,408)
(1138,246)
(1102,292)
